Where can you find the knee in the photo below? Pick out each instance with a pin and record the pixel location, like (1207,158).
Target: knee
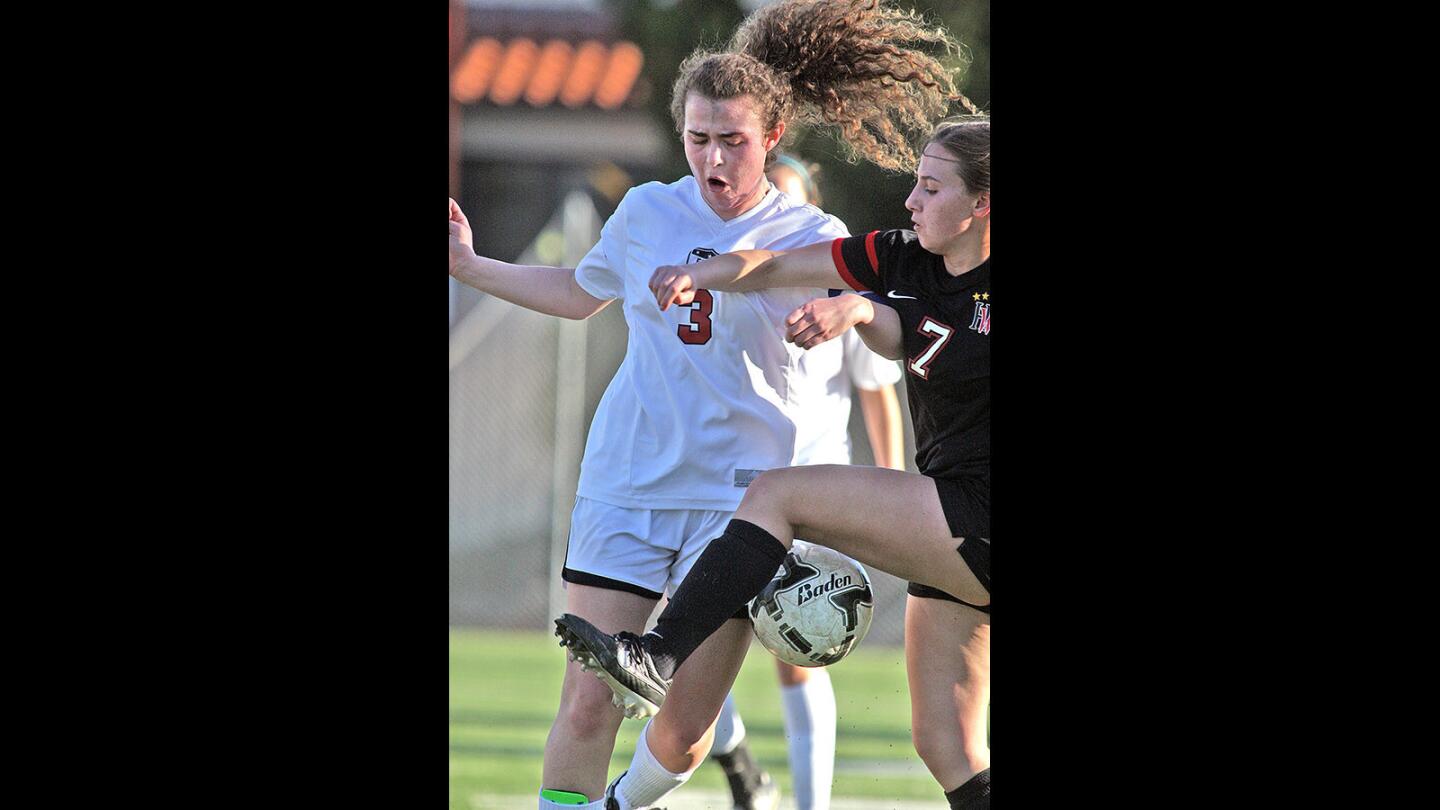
(683,737)
(766,489)
(588,713)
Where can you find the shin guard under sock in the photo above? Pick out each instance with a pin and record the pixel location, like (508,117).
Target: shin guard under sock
(733,568)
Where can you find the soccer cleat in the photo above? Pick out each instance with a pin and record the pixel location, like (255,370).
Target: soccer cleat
(612,803)
(765,797)
(750,786)
(620,661)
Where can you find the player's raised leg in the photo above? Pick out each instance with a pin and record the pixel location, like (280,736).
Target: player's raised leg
(884,518)
(887,519)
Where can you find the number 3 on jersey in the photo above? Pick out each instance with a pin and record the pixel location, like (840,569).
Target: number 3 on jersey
(696,329)
(921,364)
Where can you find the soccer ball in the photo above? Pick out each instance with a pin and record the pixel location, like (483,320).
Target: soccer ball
(816,609)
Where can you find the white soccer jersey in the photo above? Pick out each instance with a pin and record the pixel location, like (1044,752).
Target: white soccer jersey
(707,394)
(823,418)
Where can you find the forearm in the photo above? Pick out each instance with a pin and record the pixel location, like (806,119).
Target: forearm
(884,426)
(882,332)
(744,270)
(741,271)
(550,290)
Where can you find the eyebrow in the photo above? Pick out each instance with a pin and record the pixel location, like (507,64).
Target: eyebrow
(718,134)
(928,177)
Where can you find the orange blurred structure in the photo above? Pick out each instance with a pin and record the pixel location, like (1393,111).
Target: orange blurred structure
(505,72)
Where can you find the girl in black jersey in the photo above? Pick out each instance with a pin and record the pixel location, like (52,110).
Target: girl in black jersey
(932,528)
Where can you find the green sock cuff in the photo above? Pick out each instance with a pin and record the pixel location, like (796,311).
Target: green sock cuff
(563,797)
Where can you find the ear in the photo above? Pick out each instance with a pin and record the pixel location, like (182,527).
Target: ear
(982,205)
(773,136)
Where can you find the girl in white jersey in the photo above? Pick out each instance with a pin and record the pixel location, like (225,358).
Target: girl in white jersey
(704,400)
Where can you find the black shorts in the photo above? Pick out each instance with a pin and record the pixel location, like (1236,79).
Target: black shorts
(596,581)
(975,551)
(966,503)
(927,592)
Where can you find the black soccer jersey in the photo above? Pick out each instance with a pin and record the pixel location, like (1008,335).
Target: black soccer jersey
(945,320)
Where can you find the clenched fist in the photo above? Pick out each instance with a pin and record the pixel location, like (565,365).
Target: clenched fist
(672,285)
(822,319)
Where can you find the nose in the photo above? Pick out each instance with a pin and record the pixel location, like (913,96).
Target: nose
(912,202)
(713,154)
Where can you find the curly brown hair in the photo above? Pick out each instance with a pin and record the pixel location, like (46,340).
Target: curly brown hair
(850,65)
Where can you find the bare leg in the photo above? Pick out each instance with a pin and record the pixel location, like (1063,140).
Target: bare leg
(577,753)
(791,675)
(947,658)
(681,734)
(678,739)
(889,519)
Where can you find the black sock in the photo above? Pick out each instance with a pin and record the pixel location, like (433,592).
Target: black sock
(734,567)
(743,772)
(973,795)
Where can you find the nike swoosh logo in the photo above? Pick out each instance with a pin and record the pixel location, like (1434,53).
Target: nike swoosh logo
(892,294)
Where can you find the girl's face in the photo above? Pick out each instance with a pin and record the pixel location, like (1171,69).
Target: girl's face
(942,209)
(726,148)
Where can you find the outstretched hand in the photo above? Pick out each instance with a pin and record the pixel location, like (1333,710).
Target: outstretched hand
(460,226)
(672,285)
(822,319)
(462,239)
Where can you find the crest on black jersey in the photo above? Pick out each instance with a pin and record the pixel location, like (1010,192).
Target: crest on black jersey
(981,322)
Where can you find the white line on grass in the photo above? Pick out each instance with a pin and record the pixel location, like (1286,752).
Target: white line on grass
(687,799)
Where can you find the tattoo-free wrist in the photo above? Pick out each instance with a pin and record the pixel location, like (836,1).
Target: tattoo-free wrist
(866,310)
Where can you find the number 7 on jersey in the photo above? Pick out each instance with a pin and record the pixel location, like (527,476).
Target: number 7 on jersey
(941,333)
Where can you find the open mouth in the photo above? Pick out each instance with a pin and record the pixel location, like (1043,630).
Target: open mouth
(716,184)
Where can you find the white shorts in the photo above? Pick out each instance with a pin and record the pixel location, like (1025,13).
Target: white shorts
(641,551)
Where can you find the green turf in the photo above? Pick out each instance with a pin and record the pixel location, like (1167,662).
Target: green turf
(504,687)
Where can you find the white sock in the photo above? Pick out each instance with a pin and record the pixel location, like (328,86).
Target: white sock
(598,804)
(810,732)
(647,781)
(729,729)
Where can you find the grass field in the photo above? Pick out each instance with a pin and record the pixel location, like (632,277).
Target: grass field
(504,687)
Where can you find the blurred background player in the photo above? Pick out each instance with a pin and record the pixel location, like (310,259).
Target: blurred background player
(806,695)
